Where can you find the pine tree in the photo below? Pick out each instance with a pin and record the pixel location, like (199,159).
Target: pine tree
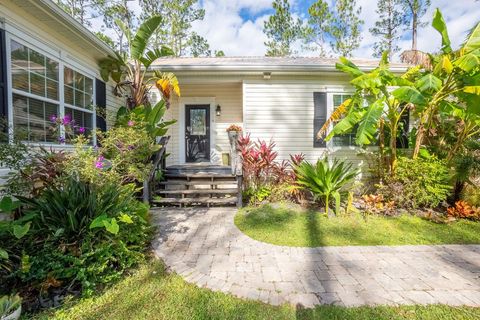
(176,30)
(388,27)
(199,46)
(345,27)
(82,10)
(340,25)
(118,9)
(318,23)
(415,10)
(282,30)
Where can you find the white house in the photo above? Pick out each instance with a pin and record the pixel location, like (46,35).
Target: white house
(284,99)
(49,66)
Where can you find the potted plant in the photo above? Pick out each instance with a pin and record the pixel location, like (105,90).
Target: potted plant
(10,307)
(233,134)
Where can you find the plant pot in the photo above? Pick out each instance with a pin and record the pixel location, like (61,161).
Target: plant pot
(232,135)
(13,316)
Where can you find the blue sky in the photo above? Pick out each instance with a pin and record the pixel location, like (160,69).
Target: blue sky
(236,26)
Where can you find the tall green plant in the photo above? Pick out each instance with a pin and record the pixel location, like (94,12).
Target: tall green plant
(325,180)
(371,108)
(448,85)
(129,70)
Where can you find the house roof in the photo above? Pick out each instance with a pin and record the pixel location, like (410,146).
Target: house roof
(50,13)
(266,64)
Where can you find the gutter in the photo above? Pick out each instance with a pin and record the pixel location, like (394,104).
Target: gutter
(262,68)
(77,26)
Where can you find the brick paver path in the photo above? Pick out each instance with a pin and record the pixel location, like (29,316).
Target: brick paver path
(206,248)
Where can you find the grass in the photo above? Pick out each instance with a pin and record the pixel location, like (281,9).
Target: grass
(292,226)
(152,293)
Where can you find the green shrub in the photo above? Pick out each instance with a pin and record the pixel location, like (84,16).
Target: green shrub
(418,183)
(471,193)
(325,180)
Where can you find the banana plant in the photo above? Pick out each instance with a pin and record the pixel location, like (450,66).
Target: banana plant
(129,70)
(371,108)
(450,84)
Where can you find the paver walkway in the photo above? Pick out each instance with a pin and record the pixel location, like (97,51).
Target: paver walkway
(206,248)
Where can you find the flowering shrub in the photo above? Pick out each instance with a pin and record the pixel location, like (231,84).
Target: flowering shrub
(68,125)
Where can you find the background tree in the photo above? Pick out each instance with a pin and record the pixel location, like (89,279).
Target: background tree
(345,27)
(176,28)
(318,26)
(340,25)
(388,27)
(415,10)
(281,29)
(82,10)
(199,46)
(113,10)
(108,41)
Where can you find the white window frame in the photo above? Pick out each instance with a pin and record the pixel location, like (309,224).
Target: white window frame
(330,108)
(48,51)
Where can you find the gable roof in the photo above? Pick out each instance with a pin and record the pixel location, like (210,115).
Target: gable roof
(266,64)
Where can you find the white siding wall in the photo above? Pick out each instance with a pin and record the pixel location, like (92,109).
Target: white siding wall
(227,95)
(284,110)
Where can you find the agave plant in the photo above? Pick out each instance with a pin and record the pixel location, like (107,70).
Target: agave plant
(325,180)
(129,71)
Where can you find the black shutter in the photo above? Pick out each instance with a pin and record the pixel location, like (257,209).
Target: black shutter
(319,117)
(101,102)
(3,77)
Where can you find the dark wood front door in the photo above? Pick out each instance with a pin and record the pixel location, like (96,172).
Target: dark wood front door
(197,133)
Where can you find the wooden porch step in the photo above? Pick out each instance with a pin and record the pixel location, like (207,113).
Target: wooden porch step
(198,176)
(197,182)
(204,200)
(199,191)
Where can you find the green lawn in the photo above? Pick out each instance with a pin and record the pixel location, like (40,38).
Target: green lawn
(151,293)
(291,226)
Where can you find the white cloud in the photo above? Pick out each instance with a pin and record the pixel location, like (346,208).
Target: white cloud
(226,30)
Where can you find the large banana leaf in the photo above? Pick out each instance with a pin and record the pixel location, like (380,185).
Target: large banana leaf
(367,128)
(473,40)
(469,61)
(428,83)
(409,95)
(368,80)
(349,67)
(444,64)
(439,24)
(152,55)
(140,41)
(346,124)
(472,89)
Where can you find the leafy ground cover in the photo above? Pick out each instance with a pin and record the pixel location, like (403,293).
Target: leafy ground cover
(152,293)
(292,226)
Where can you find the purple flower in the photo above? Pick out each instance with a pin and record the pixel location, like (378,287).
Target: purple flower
(99,162)
(81,130)
(61,139)
(67,119)
(131,123)
(53,118)
(131,147)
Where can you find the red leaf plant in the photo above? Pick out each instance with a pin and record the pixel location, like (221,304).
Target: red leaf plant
(260,167)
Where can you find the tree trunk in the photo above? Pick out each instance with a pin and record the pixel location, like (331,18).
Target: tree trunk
(414,31)
(393,149)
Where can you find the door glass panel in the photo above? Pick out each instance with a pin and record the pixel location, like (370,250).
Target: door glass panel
(198,122)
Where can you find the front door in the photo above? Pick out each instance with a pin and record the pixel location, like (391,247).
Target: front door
(197,133)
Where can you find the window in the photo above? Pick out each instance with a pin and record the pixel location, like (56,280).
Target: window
(38,94)
(35,92)
(78,93)
(347,139)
